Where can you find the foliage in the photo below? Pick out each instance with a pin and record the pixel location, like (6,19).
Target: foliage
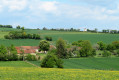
(73,52)
(117,52)
(22,28)
(86,49)
(18,27)
(116,44)
(106,53)
(102,46)
(48,38)
(6,26)
(30,57)
(44,45)
(8,54)
(12,53)
(93,52)
(110,47)
(3,53)
(61,48)
(21,35)
(78,43)
(51,61)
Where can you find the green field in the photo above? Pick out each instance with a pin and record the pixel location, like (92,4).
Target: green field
(69,36)
(89,63)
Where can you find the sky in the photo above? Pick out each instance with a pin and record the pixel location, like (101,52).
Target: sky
(79,14)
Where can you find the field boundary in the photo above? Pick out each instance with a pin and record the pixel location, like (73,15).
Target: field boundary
(32,64)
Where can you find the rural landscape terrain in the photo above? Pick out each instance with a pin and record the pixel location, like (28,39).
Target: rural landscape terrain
(59,39)
(90,67)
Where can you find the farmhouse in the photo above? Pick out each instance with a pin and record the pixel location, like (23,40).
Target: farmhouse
(27,49)
(30,49)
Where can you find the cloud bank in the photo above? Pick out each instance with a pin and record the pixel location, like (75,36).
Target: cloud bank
(59,13)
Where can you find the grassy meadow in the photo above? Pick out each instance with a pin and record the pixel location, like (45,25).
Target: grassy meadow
(14,64)
(33,73)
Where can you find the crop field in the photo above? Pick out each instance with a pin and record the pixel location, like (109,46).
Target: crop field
(68,36)
(20,42)
(89,63)
(92,63)
(75,36)
(30,73)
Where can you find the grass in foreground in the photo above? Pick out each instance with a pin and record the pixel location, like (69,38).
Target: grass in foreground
(14,64)
(11,73)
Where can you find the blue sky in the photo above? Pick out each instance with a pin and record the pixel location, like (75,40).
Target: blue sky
(80,14)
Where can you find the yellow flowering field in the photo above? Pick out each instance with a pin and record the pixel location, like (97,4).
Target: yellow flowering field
(33,73)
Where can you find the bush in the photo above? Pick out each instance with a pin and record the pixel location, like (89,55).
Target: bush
(102,46)
(76,54)
(94,52)
(106,53)
(30,57)
(7,37)
(51,61)
(48,38)
(111,47)
(117,52)
(116,44)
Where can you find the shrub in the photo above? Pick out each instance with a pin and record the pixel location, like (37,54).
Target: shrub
(106,53)
(102,46)
(110,47)
(48,38)
(117,52)
(94,52)
(76,54)
(116,44)
(7,37)
(30,57)
(51,61)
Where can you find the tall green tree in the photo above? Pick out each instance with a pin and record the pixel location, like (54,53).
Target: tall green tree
(18,27)
(86,49)
(61,48)
(44,45)
(22,28)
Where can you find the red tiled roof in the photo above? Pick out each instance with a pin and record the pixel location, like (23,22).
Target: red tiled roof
(27,49)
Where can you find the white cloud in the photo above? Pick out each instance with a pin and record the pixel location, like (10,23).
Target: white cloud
(14,4)
(44,9)
(0,8)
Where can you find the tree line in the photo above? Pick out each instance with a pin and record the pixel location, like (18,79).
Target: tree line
(21,35)
(6,26)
